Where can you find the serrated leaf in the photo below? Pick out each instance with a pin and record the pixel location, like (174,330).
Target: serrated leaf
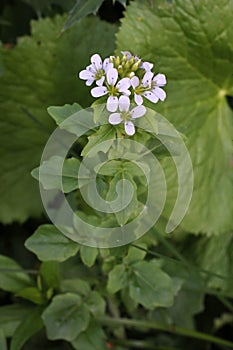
(31,84)
(12,276)
(48,243)
(66,317)
(150,286)
(117,279)
(29,326)
(49,174)
(11,316)
(192,48)
(80,10)
(91,339)
(88,255)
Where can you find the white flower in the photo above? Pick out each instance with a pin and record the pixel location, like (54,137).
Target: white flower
(112,89)
(127,116)
(96,71)
(149,88)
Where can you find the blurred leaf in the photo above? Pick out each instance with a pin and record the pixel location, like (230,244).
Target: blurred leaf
(31,84)
(50,177)
(75,285)
(91,339)
(29,326)
(49,271)
(96,304)
(12,276)
(150,286)
(117,279)
(80,10)
(48,243)
(11,316)
(135,254)
(189,42)
(66,317)
(32,294)
(104,133)
(88,255)
(3,345)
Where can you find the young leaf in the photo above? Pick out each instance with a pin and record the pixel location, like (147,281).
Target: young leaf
(61,113)
(80,10)
(117,279)
(49,175)
(88,255)
(75,285)
(29,326)
(12,276)
(135,254)
(32,294)
(150,286)
(49,271)
(48,243)
(104,133)
(66,317)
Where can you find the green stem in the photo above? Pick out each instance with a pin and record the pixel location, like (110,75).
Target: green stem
(108,321)
(140,344)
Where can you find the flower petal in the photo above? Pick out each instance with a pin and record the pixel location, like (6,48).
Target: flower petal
(160,93)
(160,79)
(129,128)
(123,85)
(112,75)
(107,64)
(89,82)
(85,74)
(138,99)
(134,81)
(99,91)
(124,103)
(150,96)
(146,81)
(112,103)
(147,66)
(115,118)
(100,81)
(96,61)
(138,112)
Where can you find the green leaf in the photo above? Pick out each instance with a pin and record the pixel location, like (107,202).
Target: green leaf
(75,285)
(117,279)
(49,271)
(11,316)
(88,255)
(28,89)
(3,345)
(135,254)
(48,243)
(66,317)
(29,326)
(12,276)
(32,294)
(104,133)
(189,42)
(50,175)
(61,113)
(80,10)
(150,286)
(96,304)
(91,339)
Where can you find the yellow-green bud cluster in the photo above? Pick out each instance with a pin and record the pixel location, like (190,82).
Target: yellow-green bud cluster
(127,67)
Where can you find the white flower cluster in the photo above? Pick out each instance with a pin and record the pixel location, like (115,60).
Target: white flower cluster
(120,78)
